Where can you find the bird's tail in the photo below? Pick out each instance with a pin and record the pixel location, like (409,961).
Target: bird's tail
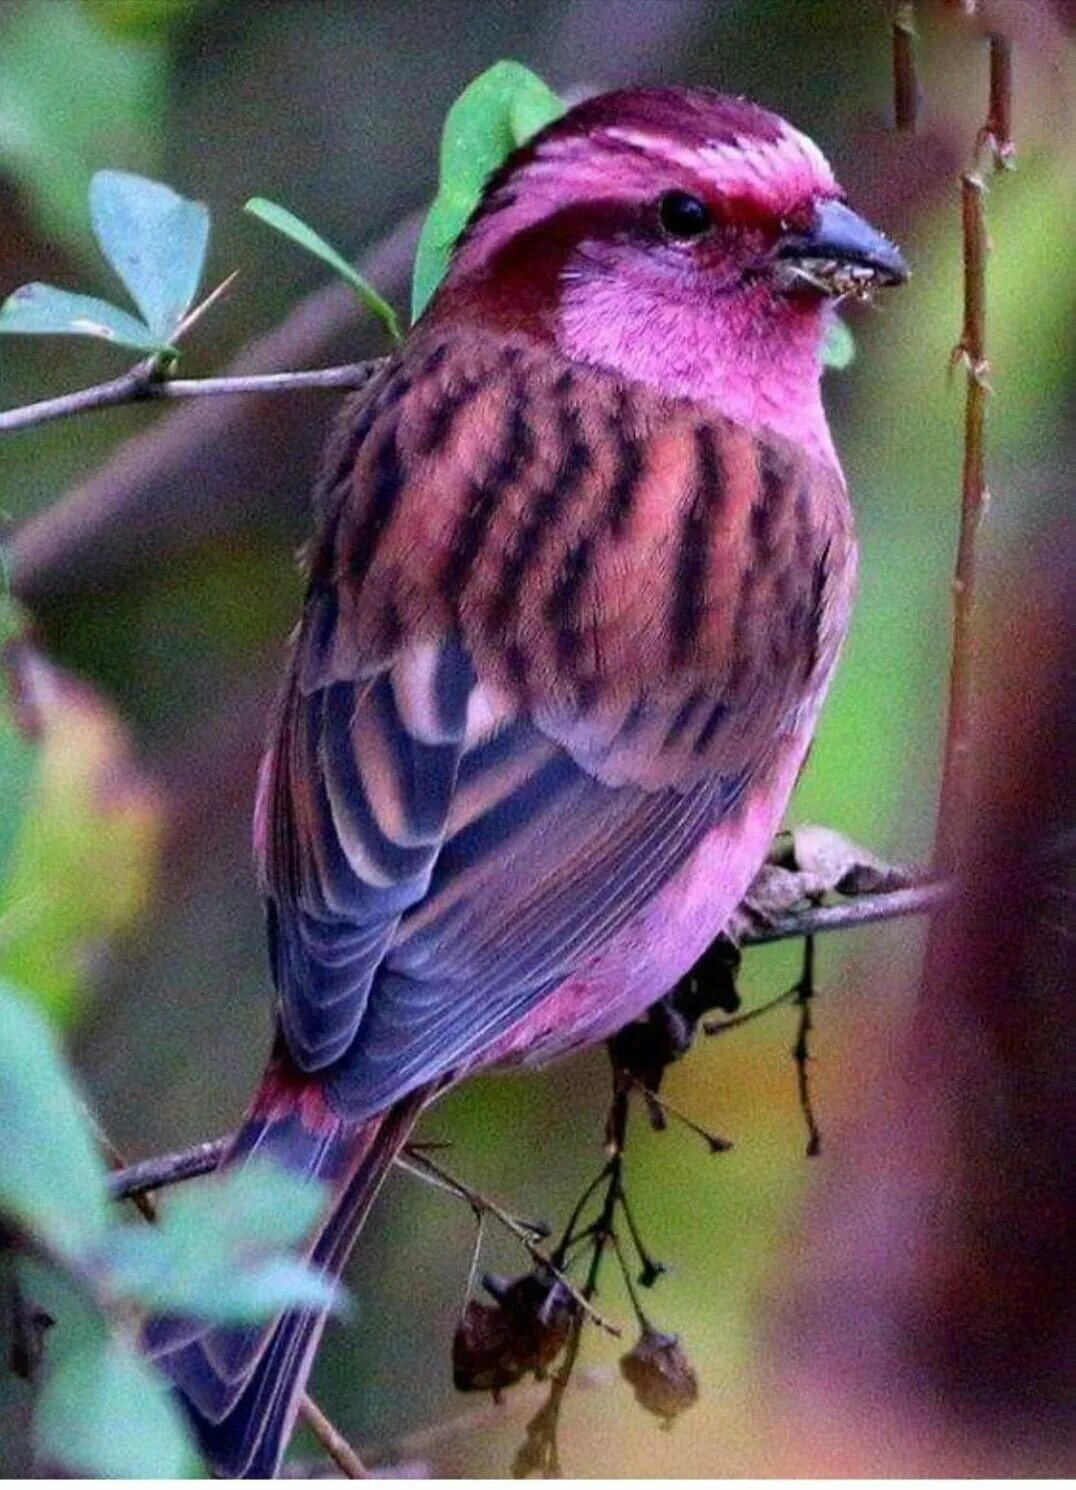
(242,1385)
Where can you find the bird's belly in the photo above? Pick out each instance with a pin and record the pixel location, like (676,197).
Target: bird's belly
(643,961)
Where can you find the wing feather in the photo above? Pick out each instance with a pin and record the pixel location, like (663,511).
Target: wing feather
(497,745)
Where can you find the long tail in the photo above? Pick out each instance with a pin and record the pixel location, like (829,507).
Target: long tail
(242,1386)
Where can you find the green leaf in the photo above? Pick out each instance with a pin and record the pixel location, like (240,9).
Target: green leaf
(105,1413)
(839,346)
(218,1251)
(499,111)
(52,1179)
(156,242)
(299,232)
(37,309)
(72,95)
(18,755)
(82,862)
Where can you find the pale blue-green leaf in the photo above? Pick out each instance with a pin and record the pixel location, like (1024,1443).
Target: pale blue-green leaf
(499,110)
(52,1179)
(209,1277)
(105,1413)
(37,309)
(156,242)
(218,1251)
(839,346)
(301,233)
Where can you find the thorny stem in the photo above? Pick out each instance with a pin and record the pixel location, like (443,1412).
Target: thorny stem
(905,78)
(971,352)
(801,1052)
(145,382)
(996,134)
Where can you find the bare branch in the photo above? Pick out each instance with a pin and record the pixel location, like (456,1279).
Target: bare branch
(207,467)
(905,76)
(971,352)
(996,134)
(143,383)
(339,1450)
(863,910)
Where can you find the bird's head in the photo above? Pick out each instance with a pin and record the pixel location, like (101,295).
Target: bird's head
(691,240)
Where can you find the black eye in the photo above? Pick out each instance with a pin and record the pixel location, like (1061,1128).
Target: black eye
(683,216)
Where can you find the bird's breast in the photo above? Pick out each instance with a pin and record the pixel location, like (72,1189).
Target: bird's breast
(606,554)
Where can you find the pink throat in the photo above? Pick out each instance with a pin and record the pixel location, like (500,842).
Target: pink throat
(753,357)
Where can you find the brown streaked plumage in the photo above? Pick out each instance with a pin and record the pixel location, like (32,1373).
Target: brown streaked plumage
(582,566)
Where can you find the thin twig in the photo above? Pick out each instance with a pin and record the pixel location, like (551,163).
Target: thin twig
(339,1450)
(996,134)
(143,383)
(801,1051)
(905,77)
(483,1205)
(971,353)
(862,910)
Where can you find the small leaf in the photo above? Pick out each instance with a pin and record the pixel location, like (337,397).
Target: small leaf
(38,309)
(106,1414)
(299,232)
(839,346)
(52,1179)
(499,111)
(218,1251)
(156,242)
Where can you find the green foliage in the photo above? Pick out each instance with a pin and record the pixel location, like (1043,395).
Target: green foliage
(839,347)
(156,242)
(216,1253)
(500,110)
(104,1413)
(299,232)
(219,1254)
(52,1179)
(83,850)
(71,93)
(38,309)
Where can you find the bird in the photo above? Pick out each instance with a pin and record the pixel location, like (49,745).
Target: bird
(582,564)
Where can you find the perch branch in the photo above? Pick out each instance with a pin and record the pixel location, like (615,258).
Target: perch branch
(162,1170)
(143,383)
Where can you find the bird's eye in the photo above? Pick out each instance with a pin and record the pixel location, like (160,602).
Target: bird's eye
(684,216)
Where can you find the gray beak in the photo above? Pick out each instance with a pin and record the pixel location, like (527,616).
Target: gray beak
(841,253)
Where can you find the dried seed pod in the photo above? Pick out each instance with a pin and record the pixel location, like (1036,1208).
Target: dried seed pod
(523,1330)
(660,1375)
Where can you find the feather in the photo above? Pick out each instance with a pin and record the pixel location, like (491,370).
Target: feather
(495,748)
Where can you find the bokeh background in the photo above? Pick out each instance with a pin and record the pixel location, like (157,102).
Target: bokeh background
(154,550)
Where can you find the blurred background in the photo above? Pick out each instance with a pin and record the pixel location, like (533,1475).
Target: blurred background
(154,550)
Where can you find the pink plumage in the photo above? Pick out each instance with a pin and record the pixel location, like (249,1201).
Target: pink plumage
(582,568)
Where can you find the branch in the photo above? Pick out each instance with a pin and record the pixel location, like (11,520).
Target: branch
(863,910)
(207,467)
(162,1170)
(144,383)
(905,78)
(971,352)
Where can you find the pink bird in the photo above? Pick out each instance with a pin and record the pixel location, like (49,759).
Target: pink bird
(583,564)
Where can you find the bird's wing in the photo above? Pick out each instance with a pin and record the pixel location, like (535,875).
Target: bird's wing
(508,721)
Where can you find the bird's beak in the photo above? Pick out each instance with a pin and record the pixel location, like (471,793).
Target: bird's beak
(840,254)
